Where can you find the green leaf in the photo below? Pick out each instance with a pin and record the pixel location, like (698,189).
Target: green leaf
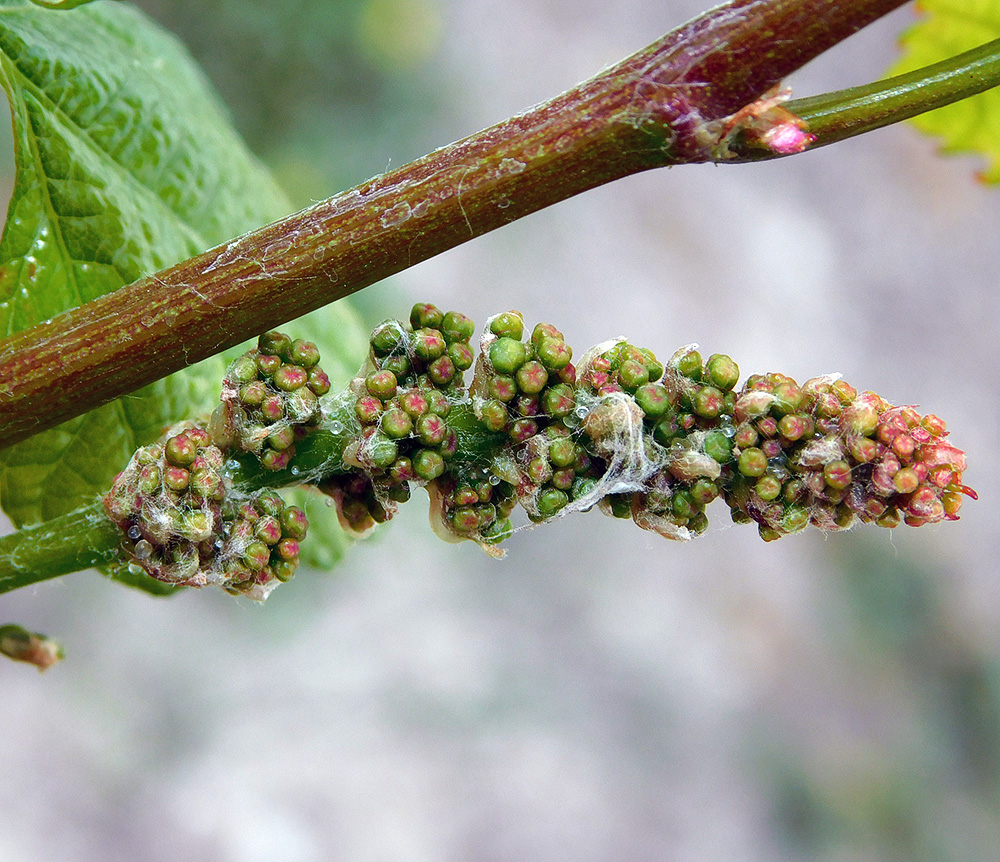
(125,163)
(948,28)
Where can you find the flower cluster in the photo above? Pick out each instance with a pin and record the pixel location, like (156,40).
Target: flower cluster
(402,401)
(270,396)
(650,441)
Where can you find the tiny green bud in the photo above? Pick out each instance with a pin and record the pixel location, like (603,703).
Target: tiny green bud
(837,474)
(424,314)
(554,353)
(684,505)
(381,451)
(176,478)
(718,447)
(243,370)
(708,402)
(253,393)
(442,370)
(431,429)
(268,530)
(562,452)
(267,365)
(305,354)
(386,337)
(465,519)
(494,415)
(319,382)
(180,450)
(653,399)
(632,374)
(722,371)
(272,408)
(531,377)
(428,344)
(381,384)
(509,324)
(456,327)
(274,344)
(502,388)
(507,355)
(398,364)
(768,487)
(558,401)
(752,462)
(288,378)
(551,501)
(396,423)
(689,365)
(703,492)
(256,555)
(281,438)
(288,549)
(294,523)
(461,355)
(428,464)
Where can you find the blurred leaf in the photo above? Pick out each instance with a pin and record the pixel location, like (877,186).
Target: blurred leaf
(948,28)
(125,163)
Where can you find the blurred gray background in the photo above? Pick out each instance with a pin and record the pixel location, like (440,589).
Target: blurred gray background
(601,694)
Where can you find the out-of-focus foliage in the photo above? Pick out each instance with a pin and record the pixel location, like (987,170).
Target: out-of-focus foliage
(949,27)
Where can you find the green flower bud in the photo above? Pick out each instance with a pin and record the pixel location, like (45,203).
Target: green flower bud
(381,451)
(180,450)
(381,384)
(531,377)
(288,549)
(288,378)
(507,355)
(281,438)
(722,371)
(437,403)
(502,388)
(431,429)
(294,523)
(428,464)
(387,337)
(274,460)
(558,401)
(256,556)
(396,423)
(684,505)
(305,354)
(689,365)
(253,394)
(543,331)
(837,474)
(428,344)
(267,365)
(465,520)
(708,402)
(398,364)
(509,324)
(551,501)
(768,488)
(653,399)
(632,374)
(284,569)
(442,370)
(718,447)
(653,366)
(554,353)
(522,430)
(703,492)
(494,415)
(242,370)
(752,462)
(563,452)
(461,355)
(368,409)
(274,344)
(268,530)
(426,315)
(272,408)
(176,479)
(456,327)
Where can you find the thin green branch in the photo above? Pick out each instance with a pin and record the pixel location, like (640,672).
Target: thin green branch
(655,108)
(833,117)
